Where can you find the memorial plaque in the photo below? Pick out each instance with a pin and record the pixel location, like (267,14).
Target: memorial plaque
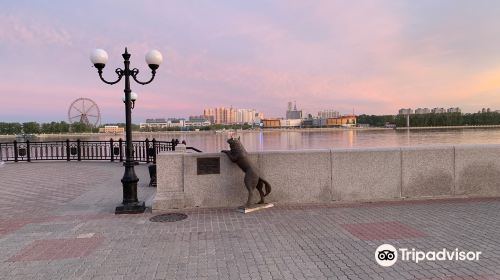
(208,165)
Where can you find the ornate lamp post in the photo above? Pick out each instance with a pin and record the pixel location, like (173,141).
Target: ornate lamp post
(99,57)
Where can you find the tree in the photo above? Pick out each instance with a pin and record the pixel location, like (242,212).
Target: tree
(10,128)
(31,127)
(63,127)
(377,121)
(79,127)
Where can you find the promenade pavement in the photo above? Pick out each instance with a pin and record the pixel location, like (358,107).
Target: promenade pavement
(57,222)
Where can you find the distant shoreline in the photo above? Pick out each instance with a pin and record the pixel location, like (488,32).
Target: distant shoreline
(141,133)
(449,127)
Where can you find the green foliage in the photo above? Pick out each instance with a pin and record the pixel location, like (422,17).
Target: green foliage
(376,121)
(450,119)
(50,128)
(155,129)
(79,127)
(31,128)
(10,128)
(54,127)
(441,119)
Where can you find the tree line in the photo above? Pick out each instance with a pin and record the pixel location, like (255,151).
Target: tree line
(14,128)
(48,128)
(433,119)
(374,120)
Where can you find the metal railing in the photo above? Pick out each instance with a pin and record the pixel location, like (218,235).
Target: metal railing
(112,150)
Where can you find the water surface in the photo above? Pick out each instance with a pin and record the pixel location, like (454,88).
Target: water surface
(320,139)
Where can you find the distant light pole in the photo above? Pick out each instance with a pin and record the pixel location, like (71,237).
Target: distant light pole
(99,57)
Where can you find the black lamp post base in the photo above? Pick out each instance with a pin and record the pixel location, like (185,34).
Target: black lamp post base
(131,208)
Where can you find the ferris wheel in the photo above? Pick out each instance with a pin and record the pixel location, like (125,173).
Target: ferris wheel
(84,110)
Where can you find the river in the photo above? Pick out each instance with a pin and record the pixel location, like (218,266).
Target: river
(317,139)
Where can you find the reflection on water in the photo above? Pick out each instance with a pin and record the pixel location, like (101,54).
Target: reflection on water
(323,139)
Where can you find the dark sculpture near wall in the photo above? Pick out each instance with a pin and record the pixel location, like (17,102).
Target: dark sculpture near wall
(152,175)
(253,179)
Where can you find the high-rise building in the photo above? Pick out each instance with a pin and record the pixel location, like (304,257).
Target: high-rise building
(438,110)
(421,111)
(209,113)
(219,115)
(454,110)
(231,115)
(325,114)
(246,115)
(405,111)
(293,114)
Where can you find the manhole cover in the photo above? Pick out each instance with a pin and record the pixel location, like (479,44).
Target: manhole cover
(170,217)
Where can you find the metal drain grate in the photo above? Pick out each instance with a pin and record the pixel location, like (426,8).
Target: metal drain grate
(170,217)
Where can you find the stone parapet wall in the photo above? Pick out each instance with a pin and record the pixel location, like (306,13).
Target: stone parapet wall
(311,176)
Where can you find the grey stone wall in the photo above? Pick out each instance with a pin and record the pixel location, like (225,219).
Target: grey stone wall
(333,175)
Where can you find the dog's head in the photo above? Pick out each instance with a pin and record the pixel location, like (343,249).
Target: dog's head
(234,142)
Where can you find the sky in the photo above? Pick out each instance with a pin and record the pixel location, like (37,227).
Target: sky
(371,57)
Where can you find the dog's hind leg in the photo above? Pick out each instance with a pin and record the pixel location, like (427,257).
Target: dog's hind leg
(260,185)
(249,200)
(251,180)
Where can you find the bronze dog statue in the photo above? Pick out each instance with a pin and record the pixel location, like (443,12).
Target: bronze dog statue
(253,179)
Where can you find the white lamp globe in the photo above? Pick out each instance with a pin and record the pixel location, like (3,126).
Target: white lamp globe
(99,57)
(133,97)
(154,59)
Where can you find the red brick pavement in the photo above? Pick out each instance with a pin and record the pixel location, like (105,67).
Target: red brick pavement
(11,225)
(57,249)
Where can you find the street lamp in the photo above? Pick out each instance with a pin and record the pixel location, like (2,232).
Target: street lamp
(133,98)
(99,58)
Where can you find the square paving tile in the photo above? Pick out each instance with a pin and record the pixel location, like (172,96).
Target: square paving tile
(383,230)
(477,277)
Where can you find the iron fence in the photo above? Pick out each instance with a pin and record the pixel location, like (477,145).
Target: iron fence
(112,150)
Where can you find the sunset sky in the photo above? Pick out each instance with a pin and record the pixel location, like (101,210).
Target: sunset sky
(371,56)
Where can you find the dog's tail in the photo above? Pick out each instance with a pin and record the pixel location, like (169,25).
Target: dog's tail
(268,186)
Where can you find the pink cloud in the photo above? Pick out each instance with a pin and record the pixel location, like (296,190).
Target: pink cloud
(25,30)
(370,55)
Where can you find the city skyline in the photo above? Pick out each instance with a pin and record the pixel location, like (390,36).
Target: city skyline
(373,56)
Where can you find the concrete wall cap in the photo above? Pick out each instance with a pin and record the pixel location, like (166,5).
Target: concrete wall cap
(477,146)
(361,150)
(169,153)
(260,153)
(203,155)
(308,151)
(427,148)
